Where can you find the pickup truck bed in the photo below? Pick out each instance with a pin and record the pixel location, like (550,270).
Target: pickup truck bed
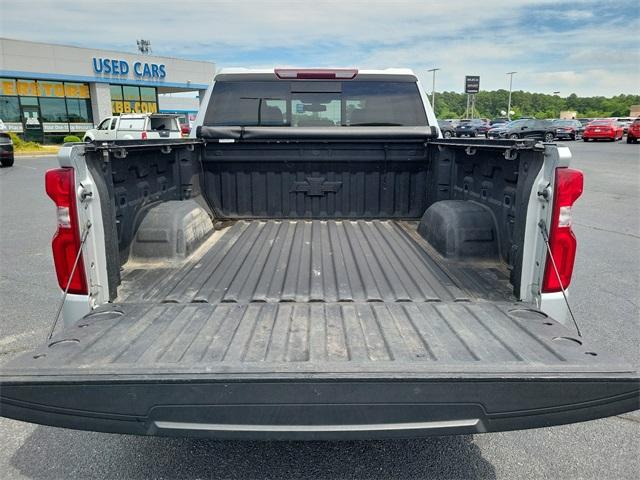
(316,261)
(315,329)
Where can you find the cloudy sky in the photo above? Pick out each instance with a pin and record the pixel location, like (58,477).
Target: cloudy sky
(586,47)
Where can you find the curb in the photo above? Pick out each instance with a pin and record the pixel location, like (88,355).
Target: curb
(34,154)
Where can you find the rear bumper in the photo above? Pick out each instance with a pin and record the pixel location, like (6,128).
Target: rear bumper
(303,408)
(596,136)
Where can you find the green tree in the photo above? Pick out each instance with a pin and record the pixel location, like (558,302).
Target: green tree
(538,105)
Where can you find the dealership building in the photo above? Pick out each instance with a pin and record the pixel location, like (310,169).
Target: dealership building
(49,91)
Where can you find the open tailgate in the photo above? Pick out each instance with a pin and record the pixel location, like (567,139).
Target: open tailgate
(315,371)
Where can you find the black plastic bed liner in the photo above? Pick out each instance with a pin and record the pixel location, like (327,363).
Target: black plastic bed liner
(358,337)
(315,330)
(317,261)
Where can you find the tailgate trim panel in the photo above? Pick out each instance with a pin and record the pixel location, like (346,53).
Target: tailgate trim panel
(318,410)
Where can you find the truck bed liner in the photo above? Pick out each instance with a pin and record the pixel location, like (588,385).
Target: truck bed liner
(367,338)
(315,330)
(316,261)
(315,296)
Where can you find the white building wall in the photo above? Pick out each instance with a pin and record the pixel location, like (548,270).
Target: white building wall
(178,103)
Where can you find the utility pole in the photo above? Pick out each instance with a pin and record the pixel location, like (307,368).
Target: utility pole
(511,74)
(433,88)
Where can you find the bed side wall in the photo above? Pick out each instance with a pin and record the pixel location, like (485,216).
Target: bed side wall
(501,185)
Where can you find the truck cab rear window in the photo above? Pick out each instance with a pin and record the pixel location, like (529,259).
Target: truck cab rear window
(132,124)
(315,104)
(163,123)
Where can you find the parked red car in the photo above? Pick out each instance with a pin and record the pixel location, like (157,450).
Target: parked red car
(603,129)
(633,134)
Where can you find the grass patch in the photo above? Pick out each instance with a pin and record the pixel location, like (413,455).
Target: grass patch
(20,146)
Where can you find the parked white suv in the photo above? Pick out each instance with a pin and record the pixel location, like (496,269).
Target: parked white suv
(135,127)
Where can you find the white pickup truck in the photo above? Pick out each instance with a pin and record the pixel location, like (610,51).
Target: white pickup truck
(316,262)
(135,126)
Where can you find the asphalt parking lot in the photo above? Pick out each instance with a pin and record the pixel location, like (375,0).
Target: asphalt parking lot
(604,295)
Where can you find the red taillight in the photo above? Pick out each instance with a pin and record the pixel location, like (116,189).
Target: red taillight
(562,241)
(317,73)
(143,135)
(60,186)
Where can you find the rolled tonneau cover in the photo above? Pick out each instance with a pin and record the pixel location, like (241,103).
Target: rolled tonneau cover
(322,134)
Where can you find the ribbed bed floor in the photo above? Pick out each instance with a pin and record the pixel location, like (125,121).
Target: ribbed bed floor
(313,296)
(312,337)
(311,261)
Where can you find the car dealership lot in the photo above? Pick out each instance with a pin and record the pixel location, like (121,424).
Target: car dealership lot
(604,295)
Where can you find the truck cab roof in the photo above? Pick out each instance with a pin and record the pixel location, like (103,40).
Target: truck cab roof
(315,73)
(145,115)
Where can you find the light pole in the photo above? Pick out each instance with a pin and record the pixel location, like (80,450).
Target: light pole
(433,88)
(511,74)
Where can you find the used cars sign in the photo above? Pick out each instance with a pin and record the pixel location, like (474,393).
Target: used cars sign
(109,66)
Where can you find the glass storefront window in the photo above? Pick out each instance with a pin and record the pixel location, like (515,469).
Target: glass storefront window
(45,110)
(31,101)
(30,113)
(27,88)
(117,107)
(55,106)
(116,92)
(53,110)
(151,107)
(50,89)
(9,109)
(128,99)
(131,93)
(79,110)
(8,86)
(148,94)
(76,90)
